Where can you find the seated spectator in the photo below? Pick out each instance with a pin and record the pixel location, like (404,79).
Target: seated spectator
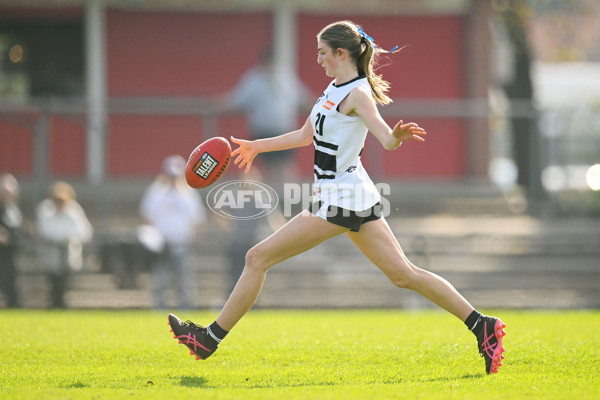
(63,227)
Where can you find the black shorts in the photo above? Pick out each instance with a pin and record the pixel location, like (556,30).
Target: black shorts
(348,218)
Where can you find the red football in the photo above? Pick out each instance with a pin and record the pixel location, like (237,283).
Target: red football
(207,162)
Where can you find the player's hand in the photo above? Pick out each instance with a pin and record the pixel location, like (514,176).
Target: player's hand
(410,131)
(244,154)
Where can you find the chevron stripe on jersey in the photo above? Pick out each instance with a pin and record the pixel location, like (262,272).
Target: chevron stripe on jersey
(325,164)
(323,176)
(319,143)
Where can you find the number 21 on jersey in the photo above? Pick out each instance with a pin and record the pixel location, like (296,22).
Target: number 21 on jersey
(320,120)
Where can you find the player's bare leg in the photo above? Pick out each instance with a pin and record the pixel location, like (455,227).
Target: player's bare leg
(300,234)
(378,243)
(376,240)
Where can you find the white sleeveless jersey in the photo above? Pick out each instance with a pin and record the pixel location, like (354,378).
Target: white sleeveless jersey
(340,178)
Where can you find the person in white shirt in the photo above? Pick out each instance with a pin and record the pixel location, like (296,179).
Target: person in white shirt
(63,227)
(270,98)
(11,222)
(346,200)
(175,211)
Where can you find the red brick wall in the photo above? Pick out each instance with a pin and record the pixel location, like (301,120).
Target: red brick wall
(172,54)
(16,146)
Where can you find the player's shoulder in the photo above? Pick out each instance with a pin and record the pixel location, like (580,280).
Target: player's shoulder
(360,95)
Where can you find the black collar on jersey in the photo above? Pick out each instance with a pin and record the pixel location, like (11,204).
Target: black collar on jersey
(350,81)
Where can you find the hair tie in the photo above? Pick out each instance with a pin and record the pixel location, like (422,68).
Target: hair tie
(365,36)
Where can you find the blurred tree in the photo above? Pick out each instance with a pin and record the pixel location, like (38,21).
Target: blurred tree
(525,137)
(565,30)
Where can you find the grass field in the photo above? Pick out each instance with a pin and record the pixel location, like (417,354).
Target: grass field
(283,354)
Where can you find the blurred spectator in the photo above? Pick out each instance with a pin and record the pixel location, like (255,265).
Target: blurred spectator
(63,227)
(270,100)
(11,221)
(174,212)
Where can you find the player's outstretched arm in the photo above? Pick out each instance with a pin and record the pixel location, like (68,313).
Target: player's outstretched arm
(249,149)
(361,103)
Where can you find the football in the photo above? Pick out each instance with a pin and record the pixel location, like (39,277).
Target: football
(207,162)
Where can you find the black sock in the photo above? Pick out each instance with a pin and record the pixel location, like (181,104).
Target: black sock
(216,333)
(473,322)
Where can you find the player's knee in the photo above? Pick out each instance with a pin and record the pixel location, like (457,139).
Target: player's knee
(251,257)
(401,282)
(255,259)
(404,279)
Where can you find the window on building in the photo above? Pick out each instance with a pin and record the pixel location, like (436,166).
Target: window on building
(41,59)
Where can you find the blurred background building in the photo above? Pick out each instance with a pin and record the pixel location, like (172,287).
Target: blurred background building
(98,92)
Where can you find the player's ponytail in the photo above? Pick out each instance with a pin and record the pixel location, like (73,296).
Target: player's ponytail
(363,50)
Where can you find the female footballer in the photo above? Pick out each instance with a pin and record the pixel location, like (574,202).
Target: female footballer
(345,198)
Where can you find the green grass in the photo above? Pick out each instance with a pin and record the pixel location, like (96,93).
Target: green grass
(283,354)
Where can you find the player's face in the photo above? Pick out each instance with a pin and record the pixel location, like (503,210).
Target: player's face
(327,58)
